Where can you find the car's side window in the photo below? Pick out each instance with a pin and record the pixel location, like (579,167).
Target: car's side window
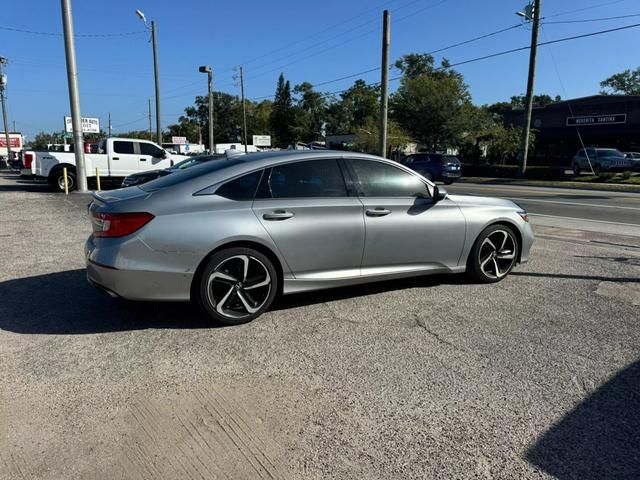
(149,149)
(241,188)
(123,147)
(312,178)
(377,179)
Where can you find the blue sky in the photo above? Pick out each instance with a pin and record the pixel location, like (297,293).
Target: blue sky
(313,41)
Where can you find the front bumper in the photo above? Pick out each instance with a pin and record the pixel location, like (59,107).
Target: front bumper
(451,174)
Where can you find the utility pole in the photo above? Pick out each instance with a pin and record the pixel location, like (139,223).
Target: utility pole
(209,71)
(109,120)
(150,129)
(244,112)
(526,128)
(384,83)
(3,85)
(74,97)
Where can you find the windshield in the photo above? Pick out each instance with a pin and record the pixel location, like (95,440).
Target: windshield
(187,174)
(610,152)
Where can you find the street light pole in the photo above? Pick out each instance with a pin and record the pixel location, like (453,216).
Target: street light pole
(209,72)
(156,74)
(526,129)
(244,111)
(74,96)
(3,84)
(154,36)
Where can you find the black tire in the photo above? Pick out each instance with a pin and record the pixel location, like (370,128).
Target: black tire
(576,169)
(484,259)
(223,299)
(56,179)
(448,181)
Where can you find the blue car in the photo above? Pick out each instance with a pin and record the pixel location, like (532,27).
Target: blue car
(435,166)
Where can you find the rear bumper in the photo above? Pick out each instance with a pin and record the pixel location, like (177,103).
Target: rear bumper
(133,284)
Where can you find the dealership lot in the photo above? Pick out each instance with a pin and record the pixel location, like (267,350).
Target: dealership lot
(535,377)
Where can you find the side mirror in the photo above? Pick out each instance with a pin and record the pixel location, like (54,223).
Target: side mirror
(438,194)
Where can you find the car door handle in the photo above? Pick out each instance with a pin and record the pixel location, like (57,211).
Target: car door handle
(378,212)
(278,215)
(115,158)
(143,159)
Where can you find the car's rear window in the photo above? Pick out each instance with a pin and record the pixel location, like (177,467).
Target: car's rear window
(188,174)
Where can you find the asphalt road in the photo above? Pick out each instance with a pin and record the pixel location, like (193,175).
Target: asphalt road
(536,377)
(603,206)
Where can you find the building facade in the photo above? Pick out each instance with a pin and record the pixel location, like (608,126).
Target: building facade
(562,128)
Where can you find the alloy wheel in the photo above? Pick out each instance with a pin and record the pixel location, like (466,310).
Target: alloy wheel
(498,254)
(239,286)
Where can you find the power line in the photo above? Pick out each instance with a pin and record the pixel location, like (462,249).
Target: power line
(492,55)
(475,39)
(376,29)
(59,34)
(592,7)
(587,20)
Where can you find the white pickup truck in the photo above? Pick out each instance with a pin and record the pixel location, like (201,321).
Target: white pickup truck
(117,158)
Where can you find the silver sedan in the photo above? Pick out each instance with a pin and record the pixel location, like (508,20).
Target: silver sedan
(232,234)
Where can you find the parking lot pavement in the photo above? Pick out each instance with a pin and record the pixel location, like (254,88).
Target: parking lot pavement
(535,377)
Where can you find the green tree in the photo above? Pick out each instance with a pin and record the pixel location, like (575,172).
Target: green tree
(282,114)
(356,106)
(310,112)
(623,83)
(432,104)
(367,137)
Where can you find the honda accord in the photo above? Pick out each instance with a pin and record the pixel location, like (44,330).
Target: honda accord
(232,234)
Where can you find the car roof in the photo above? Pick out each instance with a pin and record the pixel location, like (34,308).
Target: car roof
(209,173)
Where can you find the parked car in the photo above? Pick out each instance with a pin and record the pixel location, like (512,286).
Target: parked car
(635,157)
(117,158)
(601,160)
(232,234)
(435,166)
(142,177)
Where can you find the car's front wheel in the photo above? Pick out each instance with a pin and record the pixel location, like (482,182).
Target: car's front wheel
(237,285)
(494,254)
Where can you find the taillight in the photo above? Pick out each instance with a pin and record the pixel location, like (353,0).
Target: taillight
(118,224)
(28,160)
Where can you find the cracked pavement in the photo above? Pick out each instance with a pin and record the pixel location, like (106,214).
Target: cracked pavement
(435,377)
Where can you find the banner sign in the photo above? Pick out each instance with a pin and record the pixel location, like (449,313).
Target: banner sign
(262,140)
(89,125)
(597,120)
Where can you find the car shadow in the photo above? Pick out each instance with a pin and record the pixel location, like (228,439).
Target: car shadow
(64,303)
(597,278)
(599,438)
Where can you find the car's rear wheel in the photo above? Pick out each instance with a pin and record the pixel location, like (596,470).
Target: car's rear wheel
(494,254)
(237,285)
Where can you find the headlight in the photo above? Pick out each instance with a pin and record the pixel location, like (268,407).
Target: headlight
(524,215)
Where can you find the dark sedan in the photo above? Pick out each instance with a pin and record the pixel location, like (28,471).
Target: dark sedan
(143,177)
(434,166)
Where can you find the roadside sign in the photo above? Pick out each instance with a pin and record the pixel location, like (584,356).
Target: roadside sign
(597,120)
(89,125)
(178,140)
(262,140)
